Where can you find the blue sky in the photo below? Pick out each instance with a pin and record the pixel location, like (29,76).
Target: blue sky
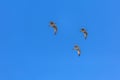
(30,51)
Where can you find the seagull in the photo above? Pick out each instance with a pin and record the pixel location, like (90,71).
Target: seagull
(76,47)
(53,25)
(84,32)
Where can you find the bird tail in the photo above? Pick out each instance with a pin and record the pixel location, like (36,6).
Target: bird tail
(78,54)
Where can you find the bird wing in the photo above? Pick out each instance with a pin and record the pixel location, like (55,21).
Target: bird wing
(78,52)
(55,29)
(85,35)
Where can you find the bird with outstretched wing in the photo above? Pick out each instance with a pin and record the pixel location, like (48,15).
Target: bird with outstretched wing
(76,47)
(53,25)
(84,33)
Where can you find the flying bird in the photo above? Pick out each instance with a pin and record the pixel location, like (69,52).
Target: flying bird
(53,25)
(84,33)
(76,47)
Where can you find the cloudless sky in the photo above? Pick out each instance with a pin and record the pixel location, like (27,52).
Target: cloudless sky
(30,51)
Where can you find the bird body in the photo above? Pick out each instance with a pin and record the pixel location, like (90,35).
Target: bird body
(76,47)
(53,25)
(84,33)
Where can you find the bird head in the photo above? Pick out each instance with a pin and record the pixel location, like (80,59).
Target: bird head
(51,23)
(82,30)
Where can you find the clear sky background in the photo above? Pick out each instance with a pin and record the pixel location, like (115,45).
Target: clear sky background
(30,51)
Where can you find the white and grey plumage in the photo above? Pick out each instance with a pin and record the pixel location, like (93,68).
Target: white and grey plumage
(76,47)
(84,33)
(53,25)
